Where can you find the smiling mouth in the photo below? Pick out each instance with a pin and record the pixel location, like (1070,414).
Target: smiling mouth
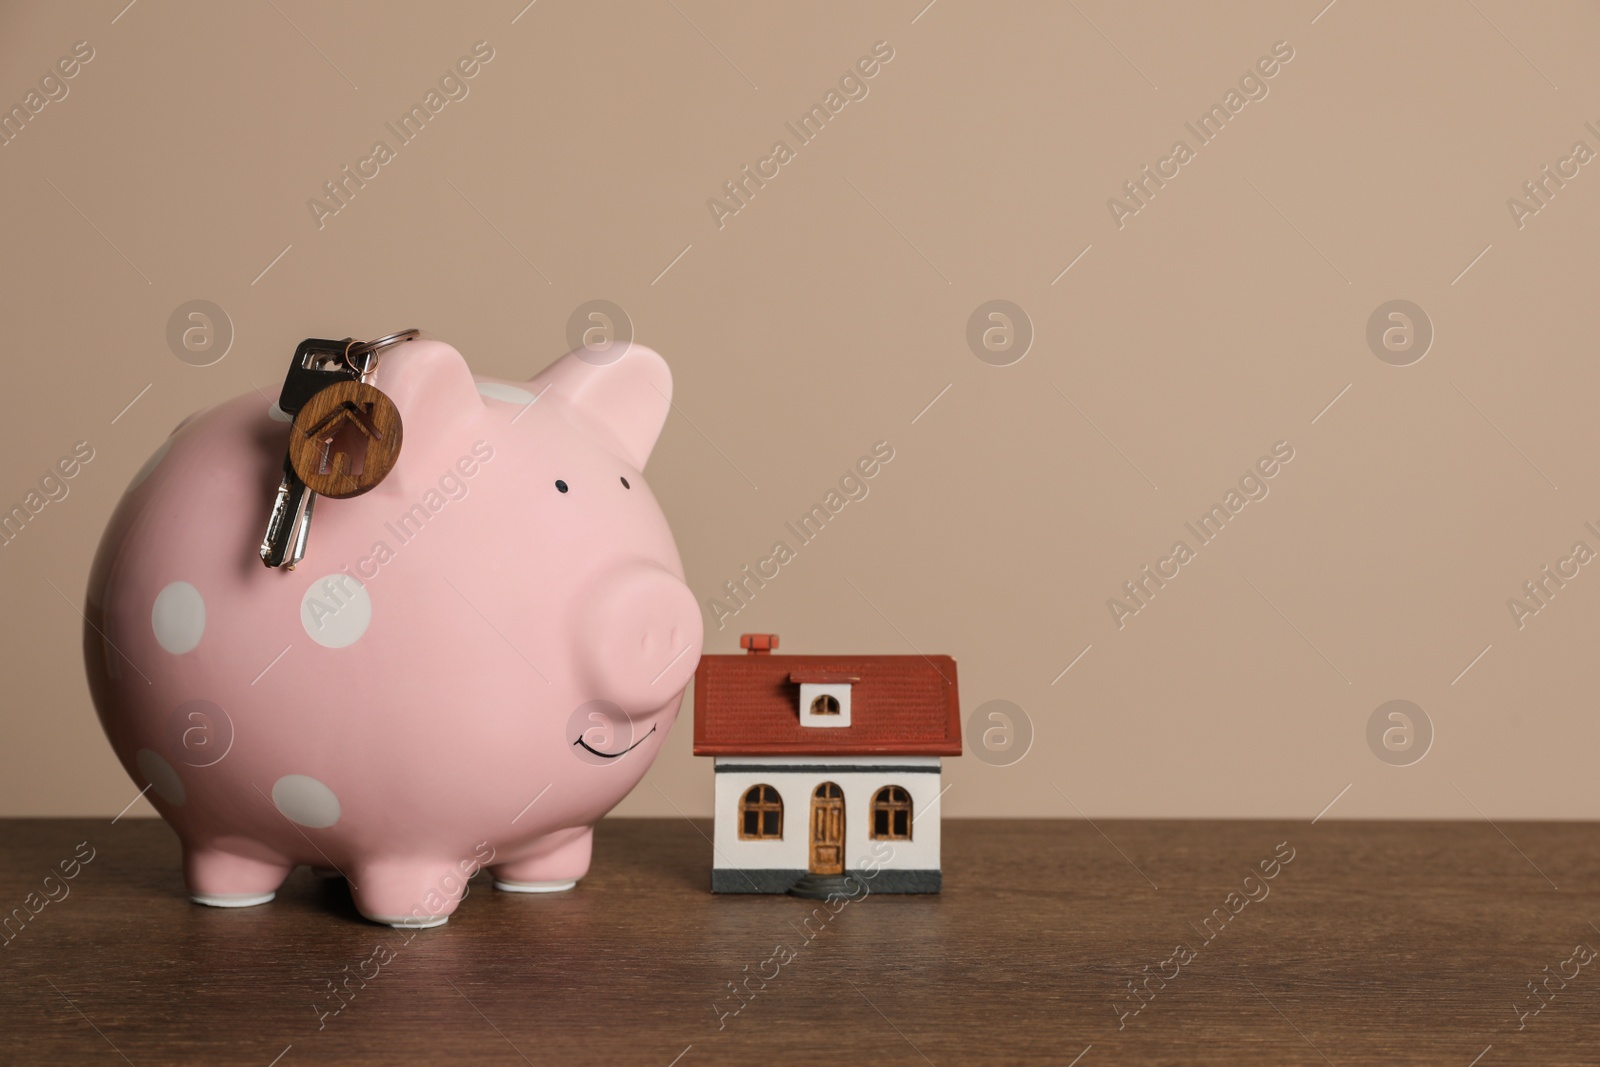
(580,742)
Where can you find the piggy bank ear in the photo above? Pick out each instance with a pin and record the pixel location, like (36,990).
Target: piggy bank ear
(624,402)
(432,386)
(438,401)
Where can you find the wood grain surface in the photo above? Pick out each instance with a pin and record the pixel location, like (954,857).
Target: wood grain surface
(1377,943)
(325,432)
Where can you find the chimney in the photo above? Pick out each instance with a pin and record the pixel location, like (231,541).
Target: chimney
(758,644)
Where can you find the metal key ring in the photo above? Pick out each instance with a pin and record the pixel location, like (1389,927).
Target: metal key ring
(373,349)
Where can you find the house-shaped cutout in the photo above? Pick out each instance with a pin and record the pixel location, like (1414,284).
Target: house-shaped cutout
(825,766)
(345,433)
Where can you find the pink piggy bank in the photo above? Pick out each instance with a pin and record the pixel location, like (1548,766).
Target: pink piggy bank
(473,663)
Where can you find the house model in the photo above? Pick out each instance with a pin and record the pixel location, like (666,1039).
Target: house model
(825,767)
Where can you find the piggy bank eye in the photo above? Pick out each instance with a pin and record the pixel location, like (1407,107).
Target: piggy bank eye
(561,485)
(625,484)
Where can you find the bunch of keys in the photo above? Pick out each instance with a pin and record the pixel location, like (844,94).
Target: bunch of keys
(344,439)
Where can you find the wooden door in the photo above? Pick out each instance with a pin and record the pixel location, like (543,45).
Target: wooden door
(827,829)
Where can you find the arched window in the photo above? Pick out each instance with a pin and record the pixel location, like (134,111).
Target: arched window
(761,813)
(891,814)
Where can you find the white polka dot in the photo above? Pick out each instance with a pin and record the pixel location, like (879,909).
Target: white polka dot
(179,617)
(161,777)
(149,465)
(305,800)
(277,414)
(336,610)
(509,393)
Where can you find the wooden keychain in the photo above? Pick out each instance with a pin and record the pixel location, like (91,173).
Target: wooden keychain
(347,437)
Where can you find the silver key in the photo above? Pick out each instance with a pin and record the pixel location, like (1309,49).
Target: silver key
(317,364)
(290,524)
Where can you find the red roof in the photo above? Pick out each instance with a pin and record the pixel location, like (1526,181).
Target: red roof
(749,705)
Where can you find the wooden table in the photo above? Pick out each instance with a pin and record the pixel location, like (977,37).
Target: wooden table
(1377,943)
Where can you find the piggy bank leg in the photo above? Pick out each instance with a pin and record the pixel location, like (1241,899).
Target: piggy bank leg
(408,893)
(556,863)
(224,879)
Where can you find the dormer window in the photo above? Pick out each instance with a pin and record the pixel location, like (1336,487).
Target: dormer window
(824,699)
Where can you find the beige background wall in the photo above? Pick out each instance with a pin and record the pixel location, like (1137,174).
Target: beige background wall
(1223,317)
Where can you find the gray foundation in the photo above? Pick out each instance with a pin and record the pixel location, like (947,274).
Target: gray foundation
(729,880)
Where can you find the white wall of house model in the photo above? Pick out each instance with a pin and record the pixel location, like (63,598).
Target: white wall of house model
(860,777)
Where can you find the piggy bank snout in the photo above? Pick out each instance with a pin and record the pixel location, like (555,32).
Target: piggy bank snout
(641,634)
